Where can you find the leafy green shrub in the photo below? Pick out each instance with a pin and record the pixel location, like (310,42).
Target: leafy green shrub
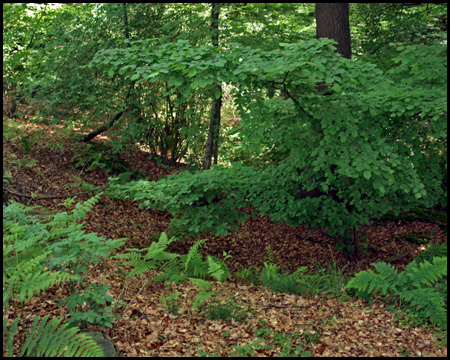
(198,202)
(327,169)
(413,285)
(92,307)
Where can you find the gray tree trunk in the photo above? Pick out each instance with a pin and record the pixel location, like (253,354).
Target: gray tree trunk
(212,144)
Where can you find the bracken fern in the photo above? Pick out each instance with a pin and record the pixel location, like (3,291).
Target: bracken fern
(46,339)
(414,285)
(178,268)
(192,264)
(28,250)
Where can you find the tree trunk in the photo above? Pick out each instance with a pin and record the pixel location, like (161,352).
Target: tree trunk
(212,144)
(332,22)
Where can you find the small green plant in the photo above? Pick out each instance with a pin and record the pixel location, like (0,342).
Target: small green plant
(27,143)
(331,281)
(269,254)
(172,303)
(270,339)
(295,283)
(251,274)
(414,285)
(312,337)
(219,309)
(92,307)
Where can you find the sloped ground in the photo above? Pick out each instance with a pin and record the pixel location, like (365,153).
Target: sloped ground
(332,327)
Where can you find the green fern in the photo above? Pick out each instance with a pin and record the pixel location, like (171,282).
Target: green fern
(46,339)
(155,256)
(28,249)
(176,267)
(413,285)
(194,265)
(204,294)
(217,268)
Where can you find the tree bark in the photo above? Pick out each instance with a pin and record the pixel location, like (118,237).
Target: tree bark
(212,144)
(332,22)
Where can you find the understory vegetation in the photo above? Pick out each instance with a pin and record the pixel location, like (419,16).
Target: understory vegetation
(224,179)
(39,255)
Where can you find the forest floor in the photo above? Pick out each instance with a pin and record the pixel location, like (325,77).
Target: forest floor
(327,325)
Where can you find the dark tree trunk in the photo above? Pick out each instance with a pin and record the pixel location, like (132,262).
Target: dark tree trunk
(212,144)
(332,22)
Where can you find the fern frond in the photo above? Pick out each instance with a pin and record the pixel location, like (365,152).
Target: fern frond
(141,268)
(368,281)
(430,301)
(194,263)
(21,264)
(218,269)
(203,286)
(389,274)
(412,285)
(8,336)
(426,273)
(46,340)
(157,251)
(131,254)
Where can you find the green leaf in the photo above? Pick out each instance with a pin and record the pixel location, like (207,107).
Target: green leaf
(218,93)
(194,84)
(178,82)
(111,72)
(192,73)
(367,174)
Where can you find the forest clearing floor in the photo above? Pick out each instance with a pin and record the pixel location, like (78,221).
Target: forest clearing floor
(326,325)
